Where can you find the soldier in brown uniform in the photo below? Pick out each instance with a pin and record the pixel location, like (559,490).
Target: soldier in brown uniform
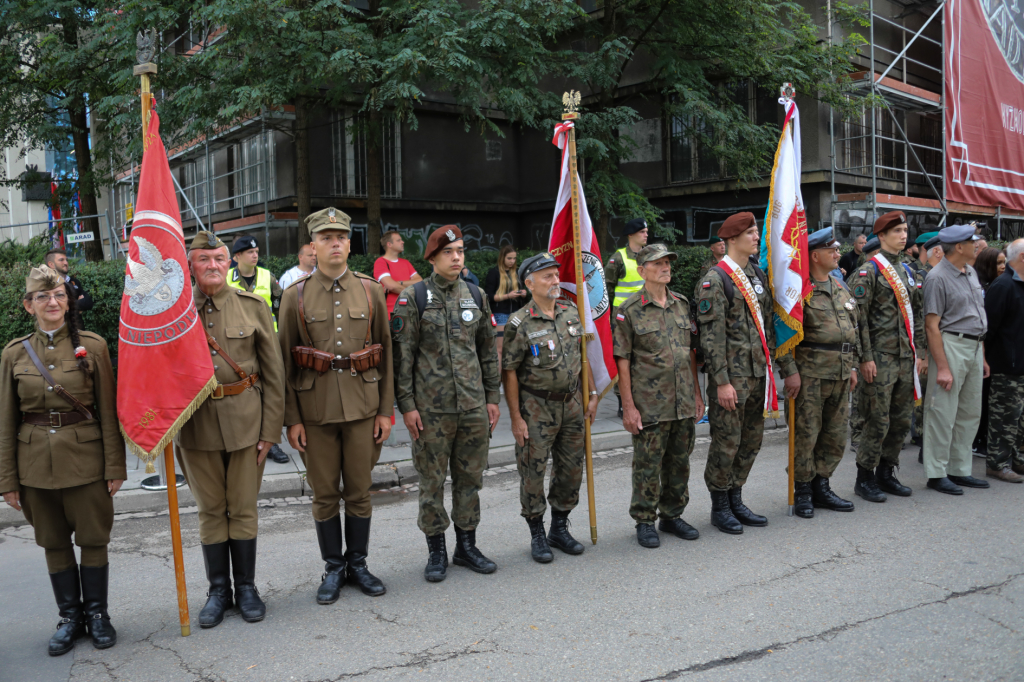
(223,447)
(338,412)
(62,457)
(542,364)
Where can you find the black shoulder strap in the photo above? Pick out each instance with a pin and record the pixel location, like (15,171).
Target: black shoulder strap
(727,284)
(420,291)
(474,291)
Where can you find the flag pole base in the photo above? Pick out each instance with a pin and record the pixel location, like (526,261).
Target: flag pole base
(593,534)
(186,630)
(791,510)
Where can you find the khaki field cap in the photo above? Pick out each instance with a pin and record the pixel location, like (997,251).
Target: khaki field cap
(42,278)
(206,241)
(653,252)
(440,238)
(328,219)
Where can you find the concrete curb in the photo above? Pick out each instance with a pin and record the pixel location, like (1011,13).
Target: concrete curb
(385,476)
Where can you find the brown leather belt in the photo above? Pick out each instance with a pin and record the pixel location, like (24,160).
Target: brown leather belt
(53,419)
(234,388)
(550,395)
(341,363)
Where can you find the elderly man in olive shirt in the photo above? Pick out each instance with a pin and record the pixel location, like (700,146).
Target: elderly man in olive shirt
(956,323)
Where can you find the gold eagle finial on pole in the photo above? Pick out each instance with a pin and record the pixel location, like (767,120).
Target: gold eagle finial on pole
(571,103)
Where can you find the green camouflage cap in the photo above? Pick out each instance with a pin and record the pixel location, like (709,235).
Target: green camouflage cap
(205,240)
(328,219)
(654,252)
(43,278)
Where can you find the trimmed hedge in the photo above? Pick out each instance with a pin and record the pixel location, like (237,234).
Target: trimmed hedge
(104,281)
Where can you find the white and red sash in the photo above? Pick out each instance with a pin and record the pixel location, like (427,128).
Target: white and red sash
(740,280)
(906,312)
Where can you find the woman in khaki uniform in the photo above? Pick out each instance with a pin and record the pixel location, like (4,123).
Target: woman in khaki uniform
(62,462)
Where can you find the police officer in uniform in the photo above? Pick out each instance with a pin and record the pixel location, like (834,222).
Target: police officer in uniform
(738,367)
(339,417)
(818,375)
(62,457)
(446,383)
(887,367)
(660,395)
(541,367)
(223,447)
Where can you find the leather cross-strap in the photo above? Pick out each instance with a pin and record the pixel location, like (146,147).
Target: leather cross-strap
(236,387)
(57,388)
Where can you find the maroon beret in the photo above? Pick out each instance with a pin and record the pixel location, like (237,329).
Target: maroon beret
(440,238)
(735,225)
(890,219)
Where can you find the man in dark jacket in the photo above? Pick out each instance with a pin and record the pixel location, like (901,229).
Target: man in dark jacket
(58,260)
(1004,304)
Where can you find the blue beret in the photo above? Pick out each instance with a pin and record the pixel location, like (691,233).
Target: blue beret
(634,226)
(535,263)
(872,244)
(822,239)
(954,234)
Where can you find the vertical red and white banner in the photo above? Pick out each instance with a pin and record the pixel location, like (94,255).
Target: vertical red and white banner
(164,367)
(594,305)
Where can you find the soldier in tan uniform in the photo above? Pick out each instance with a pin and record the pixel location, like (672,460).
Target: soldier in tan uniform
(338,413)
(62,457)
(223,447)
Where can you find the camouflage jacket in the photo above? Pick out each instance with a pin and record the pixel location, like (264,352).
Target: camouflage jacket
(545,353)
(657,342)
(728,333)
(445,362)
(881,322)
(830,317)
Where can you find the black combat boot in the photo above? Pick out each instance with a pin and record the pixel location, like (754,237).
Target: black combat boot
(357,533)
(741,512)
(802,505)
(721,514)
(243,566)
(466,554)
(681,529)
(823,497)
(559,535)
(646,536)
(328,533)
(68,593)
(539,549)
(887,481)
(94,599)
(867,486)
(437,562)
(217,559)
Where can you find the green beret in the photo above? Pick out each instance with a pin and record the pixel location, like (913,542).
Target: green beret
(205,241)
(923,238)
(714,240)
(328,219)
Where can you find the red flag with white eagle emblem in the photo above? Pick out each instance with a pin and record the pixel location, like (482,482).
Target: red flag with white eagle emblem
(164,365)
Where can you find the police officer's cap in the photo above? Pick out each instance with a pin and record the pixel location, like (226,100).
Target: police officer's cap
(822,239)
(954,234)
(653,252)
(243,244)
(536,264)
(634,226)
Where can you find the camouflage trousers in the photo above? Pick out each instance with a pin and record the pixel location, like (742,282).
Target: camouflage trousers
(1006,421)
(735,436)
(661,470)
(856,420)
(820,427)
(885,407)
(919,409)
(556,428)
(459,441)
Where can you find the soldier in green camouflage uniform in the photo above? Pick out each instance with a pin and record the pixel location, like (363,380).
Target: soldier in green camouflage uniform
(886,389)
(542,364)
(446,384)
(1006,424)
(658,374)
(737,370)
(821,369)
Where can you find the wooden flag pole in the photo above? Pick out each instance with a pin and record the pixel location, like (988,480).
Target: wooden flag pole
(791,404)
(581,290)
(179,560)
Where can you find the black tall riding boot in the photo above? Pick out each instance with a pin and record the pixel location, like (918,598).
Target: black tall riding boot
(721,514)
(741,512)
(243,566)
(357,533)
(217,559)
(328,533)
(68,592)
(466,553)
(437,559)
(95,580)
(559,535)
(539,549)
(802,505)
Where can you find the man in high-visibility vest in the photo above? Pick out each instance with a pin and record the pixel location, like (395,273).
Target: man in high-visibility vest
(247,276)
(622,279)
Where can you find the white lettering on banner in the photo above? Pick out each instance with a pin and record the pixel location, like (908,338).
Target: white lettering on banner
(1013,118)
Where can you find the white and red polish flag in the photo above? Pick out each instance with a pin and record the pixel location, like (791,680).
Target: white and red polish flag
(164,367)
(594,306)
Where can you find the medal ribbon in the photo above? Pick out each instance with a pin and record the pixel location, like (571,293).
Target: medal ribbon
(739,278)
(906,311)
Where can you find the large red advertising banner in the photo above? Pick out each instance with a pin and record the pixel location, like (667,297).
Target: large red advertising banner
(984,66)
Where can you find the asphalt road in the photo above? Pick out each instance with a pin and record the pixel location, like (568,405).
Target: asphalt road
(925,588)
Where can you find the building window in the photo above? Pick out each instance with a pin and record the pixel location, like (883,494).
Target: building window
(192,178)
(252,179)
(853,146)
(349,142)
